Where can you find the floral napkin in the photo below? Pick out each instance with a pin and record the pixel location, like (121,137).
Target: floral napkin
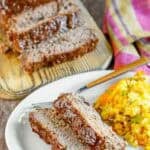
(127,23)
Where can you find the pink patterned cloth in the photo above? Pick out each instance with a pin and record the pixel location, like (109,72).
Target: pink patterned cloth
(127,22)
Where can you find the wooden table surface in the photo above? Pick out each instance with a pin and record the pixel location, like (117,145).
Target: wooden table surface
(96,8)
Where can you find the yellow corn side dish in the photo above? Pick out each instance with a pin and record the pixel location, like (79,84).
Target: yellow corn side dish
(126,107)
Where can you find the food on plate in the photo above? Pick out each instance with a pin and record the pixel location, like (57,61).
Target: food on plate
(126,107)
(36,28)
(75,121)
(86,123)
(53,130)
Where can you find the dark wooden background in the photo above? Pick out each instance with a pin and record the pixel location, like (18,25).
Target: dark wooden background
(96,9)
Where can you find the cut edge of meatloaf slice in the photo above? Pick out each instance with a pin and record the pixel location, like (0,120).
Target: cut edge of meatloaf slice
(53,130)
(60,48)
(86,123)
(45,29)
(28,19)
(11,23)
(31,22)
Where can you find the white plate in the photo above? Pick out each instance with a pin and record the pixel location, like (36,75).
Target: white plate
(20,137)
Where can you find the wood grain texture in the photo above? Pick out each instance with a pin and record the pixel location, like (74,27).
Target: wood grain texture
(16,84)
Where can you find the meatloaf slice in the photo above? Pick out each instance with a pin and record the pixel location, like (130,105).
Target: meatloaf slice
(37,24)
(86,123)
(25,17)
(44,30)
(62,47)
(53,130)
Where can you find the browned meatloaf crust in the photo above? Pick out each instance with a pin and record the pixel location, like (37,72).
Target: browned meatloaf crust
(86,123)
(62,47)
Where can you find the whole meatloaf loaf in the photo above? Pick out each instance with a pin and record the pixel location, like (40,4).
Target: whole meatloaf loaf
(62,47)
(53,130)
(34,24)
(86,123)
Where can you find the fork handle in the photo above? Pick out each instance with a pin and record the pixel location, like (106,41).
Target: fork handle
(122,70)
